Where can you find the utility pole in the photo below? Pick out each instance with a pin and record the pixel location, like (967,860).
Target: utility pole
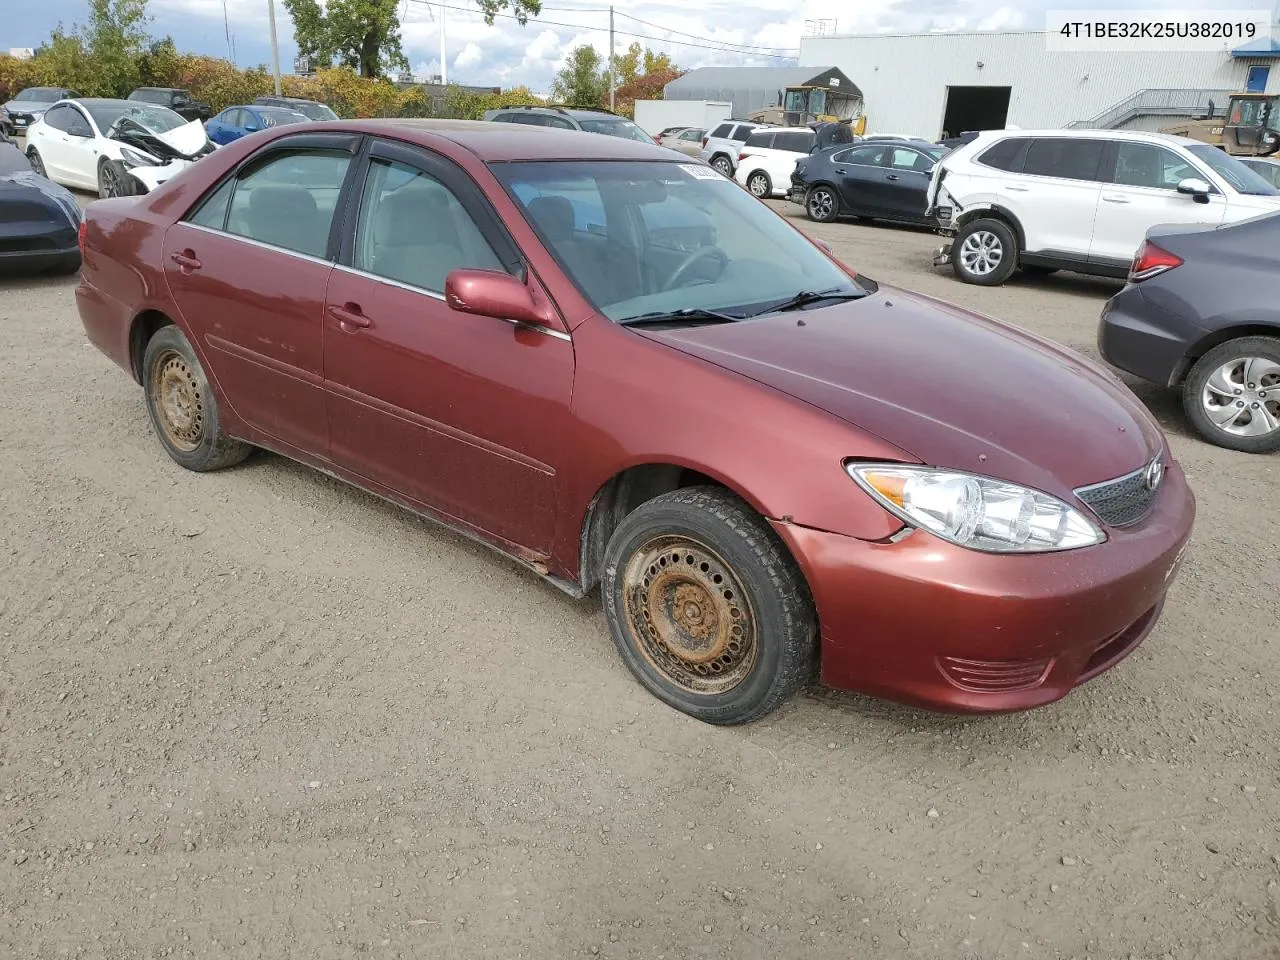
(613,76)
(444,58)
(226,24)
(275,49)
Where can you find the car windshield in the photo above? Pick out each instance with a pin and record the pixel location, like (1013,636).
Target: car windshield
(315,111)
(1240,177)
(40,94)
(279,116)
(654,237)
(154,118)
(614,127)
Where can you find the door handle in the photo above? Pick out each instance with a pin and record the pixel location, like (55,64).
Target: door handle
(1014,188)
(1116,199)
(348,315)
(892,176)
(187,261)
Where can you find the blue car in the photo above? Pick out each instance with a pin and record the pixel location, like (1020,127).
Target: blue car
(236,122)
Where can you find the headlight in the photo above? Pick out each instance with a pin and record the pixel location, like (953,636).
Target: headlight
(976,512)
(134,158)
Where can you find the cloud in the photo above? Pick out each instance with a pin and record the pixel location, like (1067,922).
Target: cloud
(471,56)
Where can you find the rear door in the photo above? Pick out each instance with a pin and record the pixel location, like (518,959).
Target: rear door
(248,270)
(860,179)
(906,174)
(1142,191)
(1055,197)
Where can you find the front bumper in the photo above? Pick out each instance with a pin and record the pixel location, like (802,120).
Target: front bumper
(152,177)
(1140,338)
(796,194)
(929,624)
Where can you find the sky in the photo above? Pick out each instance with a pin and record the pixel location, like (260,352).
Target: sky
(708,33)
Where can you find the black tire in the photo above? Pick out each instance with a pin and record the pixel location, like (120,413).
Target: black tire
(1265,393)
(1005,243)
(723,164)
(697,547)
(822,204)
(759,185)
(187,425)
(115,181)
(37,162)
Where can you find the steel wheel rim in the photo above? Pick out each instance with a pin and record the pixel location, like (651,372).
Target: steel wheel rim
(1242,397)
(981,253)
(689,615)
(178,401)
(820,204)
(721,164)
(757,185)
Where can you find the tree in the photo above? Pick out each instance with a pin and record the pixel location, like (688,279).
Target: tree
(365,34)
(641,75)
(582,81)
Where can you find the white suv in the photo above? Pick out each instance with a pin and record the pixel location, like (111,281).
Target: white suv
(768,158)
(1079,200)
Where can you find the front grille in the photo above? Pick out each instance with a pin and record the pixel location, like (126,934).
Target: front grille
(1124,500)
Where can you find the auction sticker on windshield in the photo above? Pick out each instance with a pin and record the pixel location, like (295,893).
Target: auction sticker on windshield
(702,173)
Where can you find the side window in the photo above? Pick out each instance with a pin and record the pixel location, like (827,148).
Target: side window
(1065,158)
(412,229)
(560,123)
(289,200)
(1006,155)
(58,118)
(794,141)
(862,156)
(763,140)
(903,158)
(1146,165)
(77,125)
(743,132)
(724,130)
(213,212)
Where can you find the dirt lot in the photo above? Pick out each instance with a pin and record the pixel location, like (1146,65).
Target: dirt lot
(260,714)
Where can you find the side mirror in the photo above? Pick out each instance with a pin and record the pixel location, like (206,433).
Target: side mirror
(492,293)
(1195,187)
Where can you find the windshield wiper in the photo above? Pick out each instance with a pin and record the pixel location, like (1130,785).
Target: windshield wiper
(807,298)
(690,314)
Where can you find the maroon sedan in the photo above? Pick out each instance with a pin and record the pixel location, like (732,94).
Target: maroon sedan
(619,368)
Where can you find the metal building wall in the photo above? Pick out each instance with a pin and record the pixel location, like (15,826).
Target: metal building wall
(904,78)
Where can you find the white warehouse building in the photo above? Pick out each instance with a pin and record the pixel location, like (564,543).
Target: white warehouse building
(926,84)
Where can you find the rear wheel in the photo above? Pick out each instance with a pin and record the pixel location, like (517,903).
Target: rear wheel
(759,185)
(182,407)
(723,164)
(37,164)
(822,205)
(984,252)
(1232,395)
(707,608)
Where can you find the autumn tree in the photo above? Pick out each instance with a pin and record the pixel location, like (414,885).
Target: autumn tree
(365,34)
(641,75)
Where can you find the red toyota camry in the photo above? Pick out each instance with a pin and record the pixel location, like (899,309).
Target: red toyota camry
(619,368)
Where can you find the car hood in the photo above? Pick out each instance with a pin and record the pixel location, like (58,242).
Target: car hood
(948,387)
(188,138)
(28,106)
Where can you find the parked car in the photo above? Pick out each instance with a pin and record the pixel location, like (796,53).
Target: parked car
(667,132)
(731,441)
(723,144)
(39,220)
(1080,200)
(116,147)
(1198,314)
(768,158)
(687,141)
(179,101)
(29,106)
(874,180)
(236,122)
(590,119)
(1268,168)
(311,109)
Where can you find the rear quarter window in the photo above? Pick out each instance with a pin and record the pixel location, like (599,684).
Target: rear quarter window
(724,130)
(1065,158)
(794,141)
(763,140)
(1006,155)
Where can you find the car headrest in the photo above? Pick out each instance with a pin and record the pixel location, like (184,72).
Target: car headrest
(414,216)
(554,215)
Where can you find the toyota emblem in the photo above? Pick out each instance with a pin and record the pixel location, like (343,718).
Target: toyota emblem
(1154,474)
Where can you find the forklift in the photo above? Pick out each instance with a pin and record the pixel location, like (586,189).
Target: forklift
(1251,127)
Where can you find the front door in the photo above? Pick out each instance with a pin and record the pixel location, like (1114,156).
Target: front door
(248,272)
(861,181)
(461,413)
(1142,194)
(906,179)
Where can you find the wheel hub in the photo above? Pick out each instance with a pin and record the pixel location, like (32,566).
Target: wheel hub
(179,402)
(981,252)
(1242,397)
(689,615)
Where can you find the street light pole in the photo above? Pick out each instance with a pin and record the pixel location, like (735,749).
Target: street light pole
(275,49)
(612,73)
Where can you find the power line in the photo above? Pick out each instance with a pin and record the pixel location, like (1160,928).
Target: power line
(747,47)
(624,33)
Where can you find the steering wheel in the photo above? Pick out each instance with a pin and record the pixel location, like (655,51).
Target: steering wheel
(702,253)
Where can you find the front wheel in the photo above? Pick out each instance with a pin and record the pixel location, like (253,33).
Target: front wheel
(759,185)
(115,181)
(37,163)
(984,252)
(822,205)
(706,607)
(1232,395)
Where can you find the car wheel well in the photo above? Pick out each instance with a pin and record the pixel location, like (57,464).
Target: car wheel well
(996,213)
(1215,339)
(144,328)
(621,495)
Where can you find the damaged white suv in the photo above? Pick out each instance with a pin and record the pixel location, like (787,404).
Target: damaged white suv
(117,148)
(1079,200)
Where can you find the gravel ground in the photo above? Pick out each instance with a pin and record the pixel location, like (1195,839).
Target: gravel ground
(261,714)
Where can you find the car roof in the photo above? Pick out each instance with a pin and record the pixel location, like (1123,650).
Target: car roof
(773,129)
(986,136)
(498,142)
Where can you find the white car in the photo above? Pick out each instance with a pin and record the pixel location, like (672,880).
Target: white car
(769,156)
(1080,200)
(114,147)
